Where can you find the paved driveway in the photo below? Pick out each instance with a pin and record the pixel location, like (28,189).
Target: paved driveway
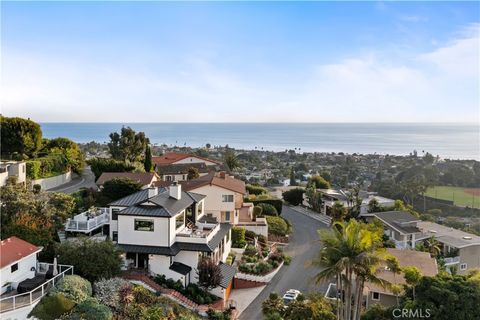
(303,247)
(86,180)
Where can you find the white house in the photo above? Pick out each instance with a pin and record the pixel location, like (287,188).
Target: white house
(165,231)
(17,169)
(24,280)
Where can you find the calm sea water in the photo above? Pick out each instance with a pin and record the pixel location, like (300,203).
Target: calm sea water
(453,141)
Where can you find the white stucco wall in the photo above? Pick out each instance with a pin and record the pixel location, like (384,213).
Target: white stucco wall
(158,237)
(52,182)
(161,265)
(24,271)
(213,201)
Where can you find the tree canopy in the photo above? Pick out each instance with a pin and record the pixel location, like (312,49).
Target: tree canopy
(127,145)
(20,136)
(318,182)
(118,188)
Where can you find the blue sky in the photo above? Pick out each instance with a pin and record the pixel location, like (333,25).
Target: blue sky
(241,62)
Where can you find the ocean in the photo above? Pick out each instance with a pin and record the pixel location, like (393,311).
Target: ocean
(453,141)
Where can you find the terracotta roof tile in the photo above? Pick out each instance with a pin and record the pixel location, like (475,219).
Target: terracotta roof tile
(13,249)
(219,179)
(172,157)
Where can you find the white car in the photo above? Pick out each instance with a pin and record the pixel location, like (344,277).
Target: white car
(290,295)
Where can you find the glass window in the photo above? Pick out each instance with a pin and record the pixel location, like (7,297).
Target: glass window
(143,225)
(115,214)
(375,296)
(227,215)
(463,266)
(14,267)
(227,198)
(115,236)
(179,221)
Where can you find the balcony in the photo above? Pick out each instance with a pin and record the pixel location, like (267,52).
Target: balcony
(13,300)
(201,232)
(89,220)
(451,261)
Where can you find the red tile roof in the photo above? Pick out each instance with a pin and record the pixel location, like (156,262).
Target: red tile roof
(219,179)
(13,249)
(172,157)
(144,178)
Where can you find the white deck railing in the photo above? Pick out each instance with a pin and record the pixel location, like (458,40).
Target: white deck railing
(81,222)
(451,261)
(21,300)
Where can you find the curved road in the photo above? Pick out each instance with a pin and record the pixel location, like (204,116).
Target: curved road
(303,247)
(86,180)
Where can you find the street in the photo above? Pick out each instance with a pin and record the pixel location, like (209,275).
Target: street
(86,180)
(303,247)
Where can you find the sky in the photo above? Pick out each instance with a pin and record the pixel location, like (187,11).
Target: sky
(241,62)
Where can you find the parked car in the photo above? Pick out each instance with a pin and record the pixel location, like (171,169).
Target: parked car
(290,295)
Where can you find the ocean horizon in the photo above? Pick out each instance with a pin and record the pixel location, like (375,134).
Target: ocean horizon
(448,140)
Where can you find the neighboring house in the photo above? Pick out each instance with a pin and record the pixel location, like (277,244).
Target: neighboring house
(179,172)
(376,294)
(460,249)
(330,196)
(399,226)
(224,196)
(16,169)
(24,280)
(146,179)
(182,158)
(165,231)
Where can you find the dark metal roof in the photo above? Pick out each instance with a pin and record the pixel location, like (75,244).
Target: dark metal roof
(131,200)
(217,238)
(196,196)
(145,210)
(166,251)
(227,272)
(402,221)
(180,268)
(208,219)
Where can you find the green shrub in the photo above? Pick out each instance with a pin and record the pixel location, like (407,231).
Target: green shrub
(250,251)
(33,169)
(257,212)
(250,235)
(256,190)
(100,165)
(238,237)
(287,260)
(277,226)
(74,288)
(263,267)
(268,209)
(277,203)
(90,309)
(294,196)
(52,307)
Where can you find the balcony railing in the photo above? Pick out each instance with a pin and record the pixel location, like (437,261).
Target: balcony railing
(88,221)
(451,261)
(25,299)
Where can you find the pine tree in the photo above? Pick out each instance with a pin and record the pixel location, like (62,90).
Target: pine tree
(148,160)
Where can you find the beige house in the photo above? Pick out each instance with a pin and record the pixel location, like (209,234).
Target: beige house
(224,196)
(376,294)
(179,172)
(460,249)
(15,169)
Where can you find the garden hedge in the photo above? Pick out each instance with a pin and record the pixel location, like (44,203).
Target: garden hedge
(277,203)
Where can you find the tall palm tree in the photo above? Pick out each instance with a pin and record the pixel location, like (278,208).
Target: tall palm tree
(352,254)
(433,246)
(338,211)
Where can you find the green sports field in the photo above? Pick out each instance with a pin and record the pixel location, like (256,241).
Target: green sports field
(461,196)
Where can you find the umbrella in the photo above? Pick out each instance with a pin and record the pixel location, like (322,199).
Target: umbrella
(55,271)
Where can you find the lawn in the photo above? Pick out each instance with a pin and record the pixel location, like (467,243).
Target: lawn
(461,196)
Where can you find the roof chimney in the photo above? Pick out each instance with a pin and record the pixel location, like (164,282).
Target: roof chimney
(222,174)
(152,192)
(175,191)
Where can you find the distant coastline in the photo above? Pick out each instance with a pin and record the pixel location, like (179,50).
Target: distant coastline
(454,141)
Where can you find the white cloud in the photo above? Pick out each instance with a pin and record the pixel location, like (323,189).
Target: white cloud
(441,85)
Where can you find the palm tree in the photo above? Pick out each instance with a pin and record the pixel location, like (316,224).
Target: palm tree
(433,246)
(231,160)
(352,254)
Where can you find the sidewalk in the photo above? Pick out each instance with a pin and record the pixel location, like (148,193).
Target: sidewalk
(314,215)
